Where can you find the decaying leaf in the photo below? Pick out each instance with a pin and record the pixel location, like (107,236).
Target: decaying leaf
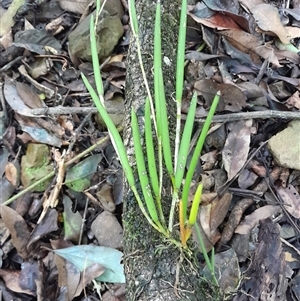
(13,282)
(209,219)
(268,19)
(248,43)
(291,199)
(235,151)
(265,278)
(78,177)
(18,229)
(46,226)
(232,98)
(72,221)
(219,21)
(253,219)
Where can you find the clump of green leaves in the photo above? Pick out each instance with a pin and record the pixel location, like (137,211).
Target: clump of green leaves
(156,120)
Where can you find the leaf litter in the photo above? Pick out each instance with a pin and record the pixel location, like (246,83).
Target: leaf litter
(251,192)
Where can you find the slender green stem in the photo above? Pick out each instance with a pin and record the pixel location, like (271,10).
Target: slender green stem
(135,32)
(175,201)
(203,250)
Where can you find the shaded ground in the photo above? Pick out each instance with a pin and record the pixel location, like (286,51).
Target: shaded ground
(250,168)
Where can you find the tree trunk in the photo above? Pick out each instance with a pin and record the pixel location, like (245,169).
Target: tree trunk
(150,261)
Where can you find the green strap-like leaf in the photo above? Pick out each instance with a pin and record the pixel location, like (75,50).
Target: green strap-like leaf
(159,92)
(133,17)
(181,51)
(197,152)
(141,167)
(185,142)
(95,59)
(115,136)
(150,150)
(195,205)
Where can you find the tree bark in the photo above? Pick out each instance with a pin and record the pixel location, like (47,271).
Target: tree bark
(150,261)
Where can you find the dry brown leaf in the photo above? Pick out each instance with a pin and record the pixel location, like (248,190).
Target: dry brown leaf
(105,197)
(236,149)
(92,272)
(18,229)
(232,98)
(253,219)
(29,96)
(245,41)
(268,19)
(219,210)
(12,281)
(219,21)
(12,173)
(294,101)
(291,199)
(210,217)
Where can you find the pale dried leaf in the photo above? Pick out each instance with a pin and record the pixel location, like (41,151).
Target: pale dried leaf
(77,7)
(268,19)
(236,149)
(253,219)
(291,199)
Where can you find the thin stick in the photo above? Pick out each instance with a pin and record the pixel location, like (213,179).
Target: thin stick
(252,115)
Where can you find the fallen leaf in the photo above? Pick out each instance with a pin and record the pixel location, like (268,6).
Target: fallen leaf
(85,255)
(268,19)
(46,226)
(291,199)
(105,197)
(253,219)
(14,100)
(232,98)
(236,149)
(29,97)
(249,43)
(72,221)
(78,177)
(210,217)
(18,229)
(12,281)
(219,21)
